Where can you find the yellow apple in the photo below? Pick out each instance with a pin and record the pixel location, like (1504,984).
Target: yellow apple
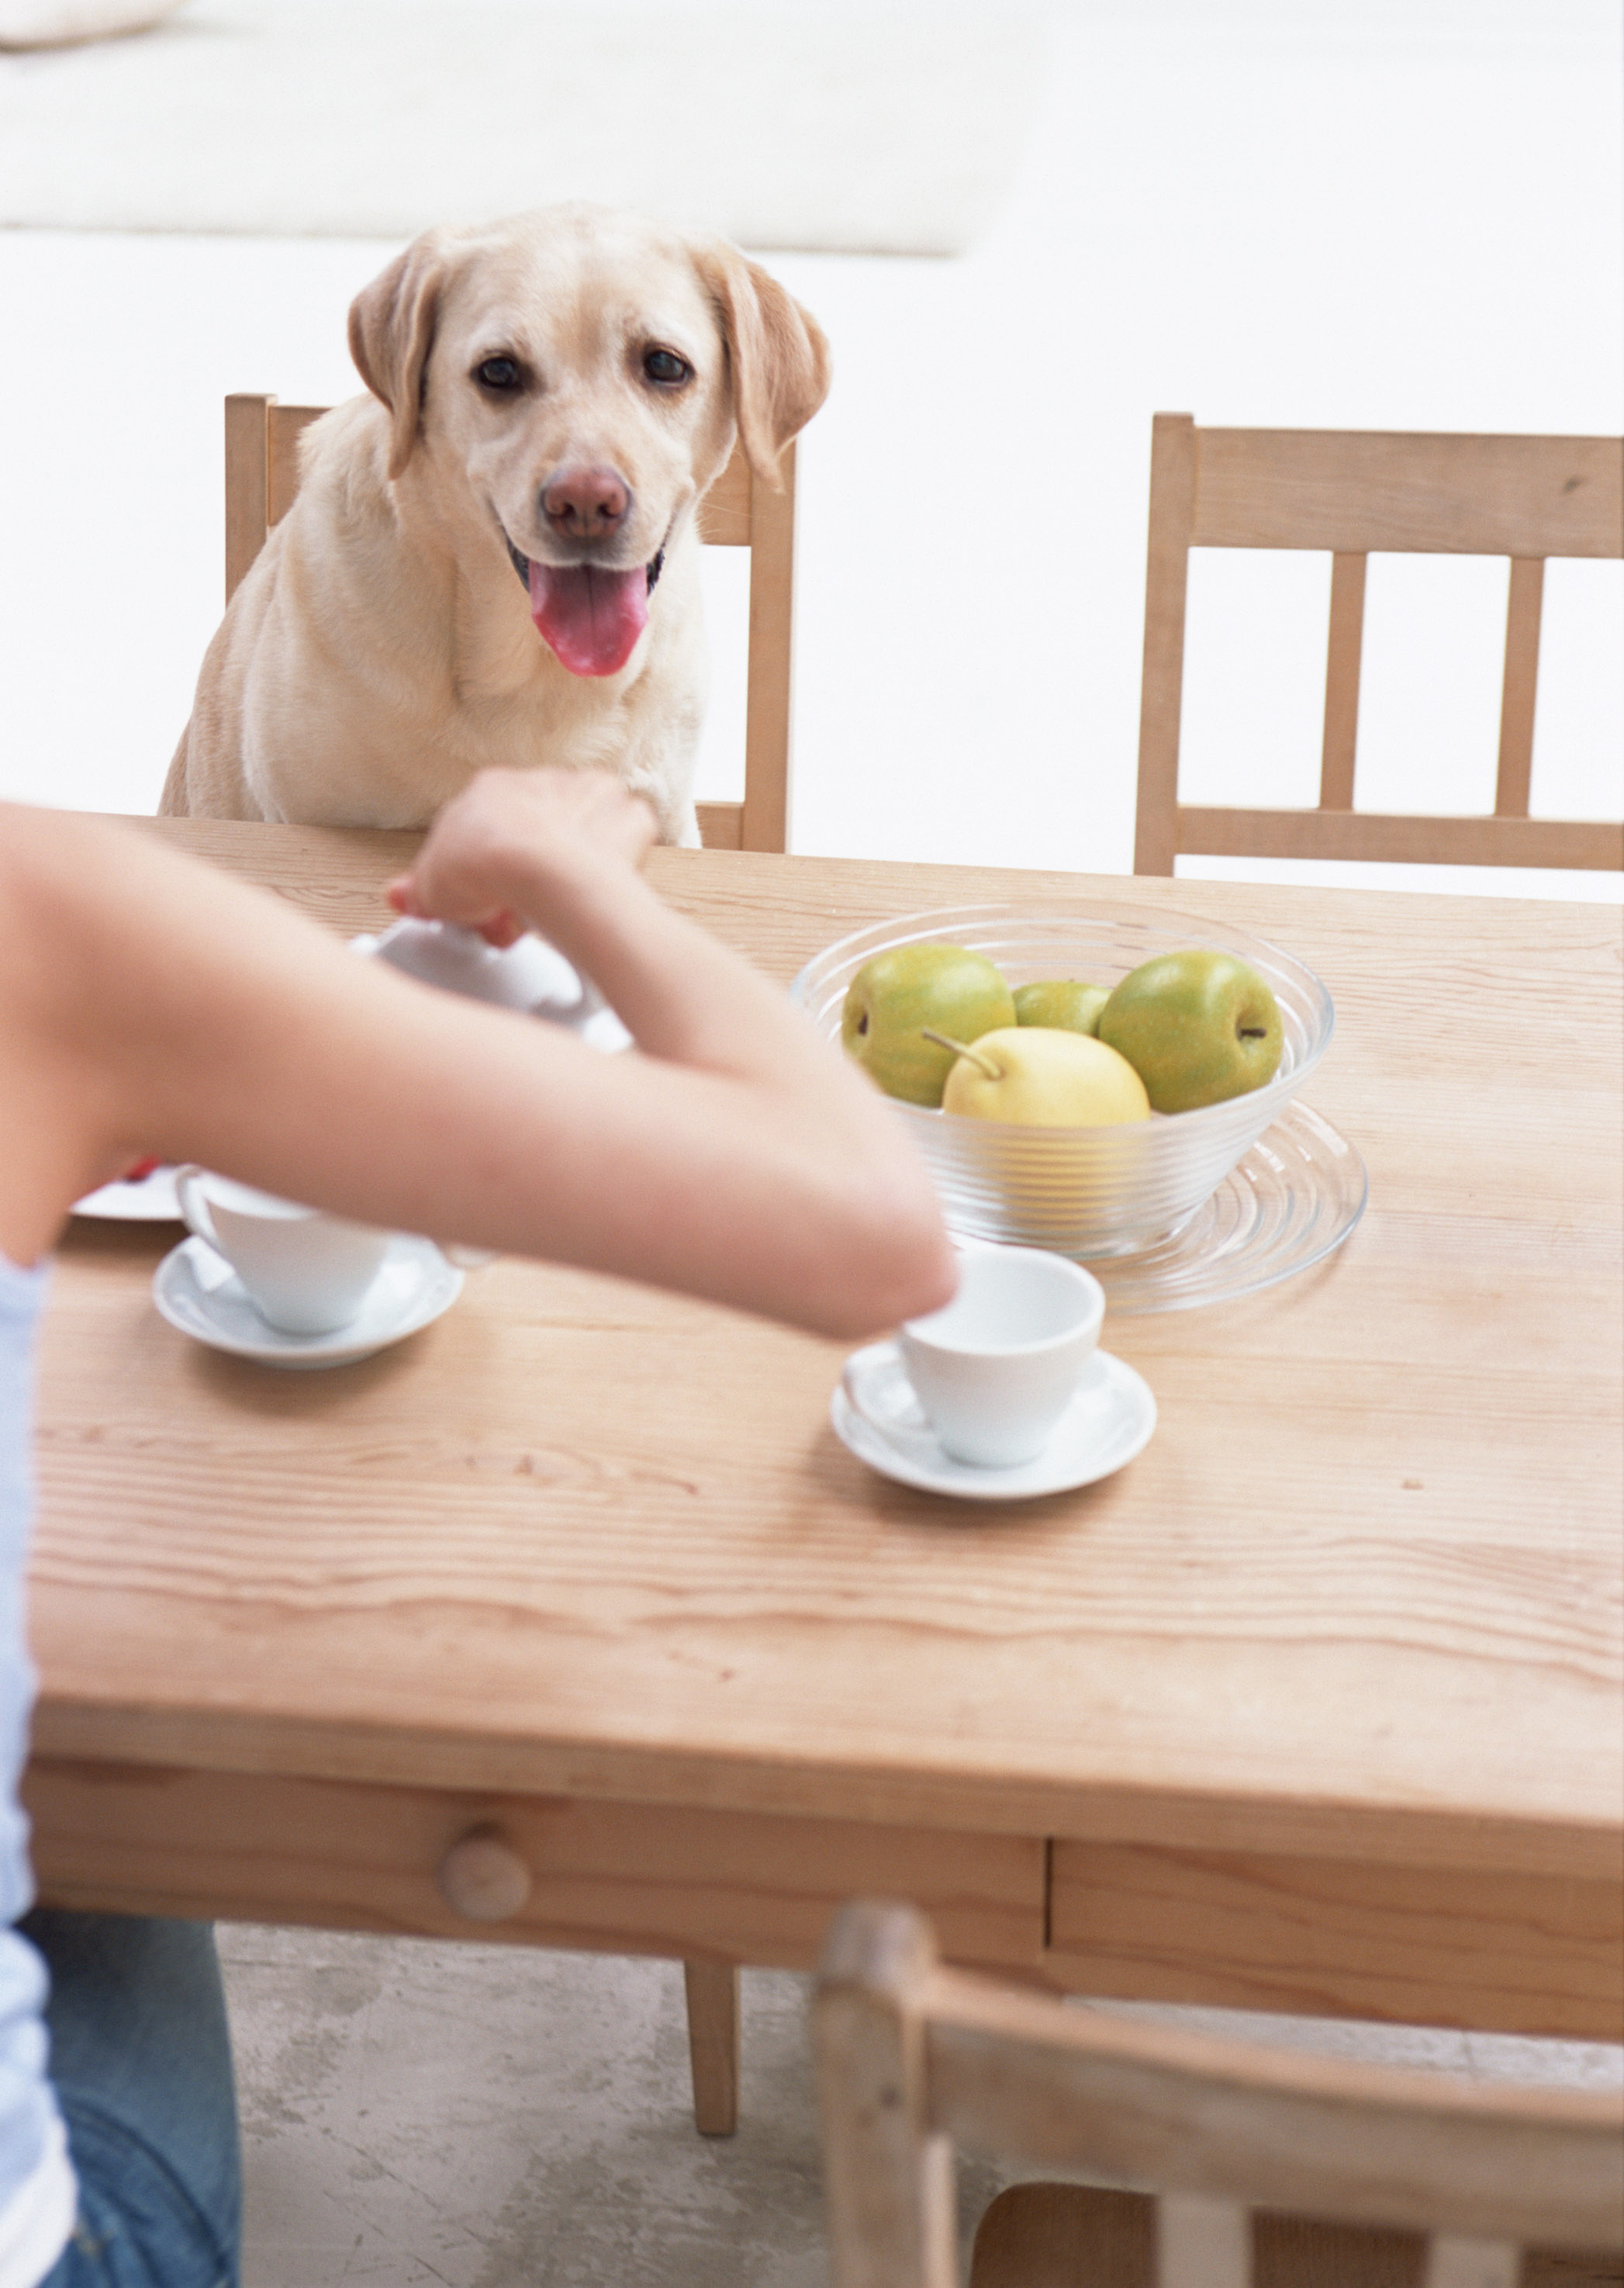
(1040,1077)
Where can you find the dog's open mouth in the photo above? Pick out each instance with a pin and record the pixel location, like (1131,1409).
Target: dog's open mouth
(591,619)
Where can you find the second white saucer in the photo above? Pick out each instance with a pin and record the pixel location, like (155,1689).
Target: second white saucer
(198,1292)
(1110,1419)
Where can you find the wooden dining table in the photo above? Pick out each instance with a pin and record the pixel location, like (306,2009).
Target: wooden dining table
(1315,1706)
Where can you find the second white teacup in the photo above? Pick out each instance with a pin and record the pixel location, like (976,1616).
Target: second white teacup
(306,1272)
(996,1369)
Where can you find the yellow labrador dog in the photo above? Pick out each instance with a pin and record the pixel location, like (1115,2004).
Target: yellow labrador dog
(492,558)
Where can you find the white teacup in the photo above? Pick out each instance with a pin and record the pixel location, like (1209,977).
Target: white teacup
(996,1369)
(306,1272)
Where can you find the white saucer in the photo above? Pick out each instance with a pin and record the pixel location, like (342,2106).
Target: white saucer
(1109,1421)
(198,1291)
(151,1201)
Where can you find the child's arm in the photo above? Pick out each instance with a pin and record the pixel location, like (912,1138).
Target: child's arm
(150,1004)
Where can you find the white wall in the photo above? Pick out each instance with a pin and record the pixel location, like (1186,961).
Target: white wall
(1356,216)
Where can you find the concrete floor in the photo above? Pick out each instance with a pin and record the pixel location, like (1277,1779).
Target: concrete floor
(481,2117)
(484,2117)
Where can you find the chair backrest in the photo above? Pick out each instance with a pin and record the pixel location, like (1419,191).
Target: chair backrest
(262,477)
(1350,491)
(915,2059)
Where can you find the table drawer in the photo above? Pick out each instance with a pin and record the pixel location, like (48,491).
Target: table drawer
(620,1878)
(1423,1946)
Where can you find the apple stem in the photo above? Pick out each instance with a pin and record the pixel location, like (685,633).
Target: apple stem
(983,1064)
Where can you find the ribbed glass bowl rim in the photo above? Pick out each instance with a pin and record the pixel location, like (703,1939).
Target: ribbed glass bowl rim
(1173,926)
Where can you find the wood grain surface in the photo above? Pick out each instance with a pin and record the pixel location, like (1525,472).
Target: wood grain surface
(643,1879)
(1355,491)
(912,2059)
(1357,1604)
(1272,1931)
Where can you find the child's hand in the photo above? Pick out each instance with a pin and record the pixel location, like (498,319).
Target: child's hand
(506,833)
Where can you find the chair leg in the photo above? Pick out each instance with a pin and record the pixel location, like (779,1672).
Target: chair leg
(713,2045)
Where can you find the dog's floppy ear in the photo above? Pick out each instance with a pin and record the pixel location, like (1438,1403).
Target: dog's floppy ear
(776,350)
(392,330)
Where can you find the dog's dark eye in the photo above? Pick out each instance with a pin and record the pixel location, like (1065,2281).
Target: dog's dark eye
(497,373)
(665,366)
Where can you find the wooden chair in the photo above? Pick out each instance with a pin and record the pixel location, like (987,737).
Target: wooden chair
(1351,491)
(262,476)
(913,2058)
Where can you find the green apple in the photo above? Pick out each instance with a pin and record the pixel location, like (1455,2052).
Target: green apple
(1064,1002)
(1039,1076)
(894,998)
(1197,1027)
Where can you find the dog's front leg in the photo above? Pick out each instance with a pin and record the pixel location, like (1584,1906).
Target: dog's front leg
(675,814)
(660,770)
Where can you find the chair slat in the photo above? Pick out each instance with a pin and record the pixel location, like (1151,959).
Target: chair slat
(1046,2235)
(1355,491)
(1017,2075)
(721,825)
(888,2171)
(1162,684)
(245,486)
(724,512)
(1202,2243)
(1523,604)
(1399,837)
(1343,654)
(765,823)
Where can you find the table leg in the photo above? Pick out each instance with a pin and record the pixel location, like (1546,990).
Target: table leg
(713,2045)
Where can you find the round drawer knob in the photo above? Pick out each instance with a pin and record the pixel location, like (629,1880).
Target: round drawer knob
(483,1877)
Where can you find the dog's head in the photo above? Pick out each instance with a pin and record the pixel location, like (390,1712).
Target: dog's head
(574,379)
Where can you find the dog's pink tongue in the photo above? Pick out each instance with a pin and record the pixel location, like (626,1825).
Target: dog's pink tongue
(591,619)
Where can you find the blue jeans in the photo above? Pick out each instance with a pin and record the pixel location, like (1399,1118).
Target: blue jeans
(141,2060)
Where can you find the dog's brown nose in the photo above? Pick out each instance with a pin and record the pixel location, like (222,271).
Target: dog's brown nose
(586,503)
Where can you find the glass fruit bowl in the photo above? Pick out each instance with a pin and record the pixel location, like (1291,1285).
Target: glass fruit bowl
(1083,1191)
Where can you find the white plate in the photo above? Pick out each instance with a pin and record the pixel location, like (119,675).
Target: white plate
(1108,1423)
(151,1201)
(198,1291)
